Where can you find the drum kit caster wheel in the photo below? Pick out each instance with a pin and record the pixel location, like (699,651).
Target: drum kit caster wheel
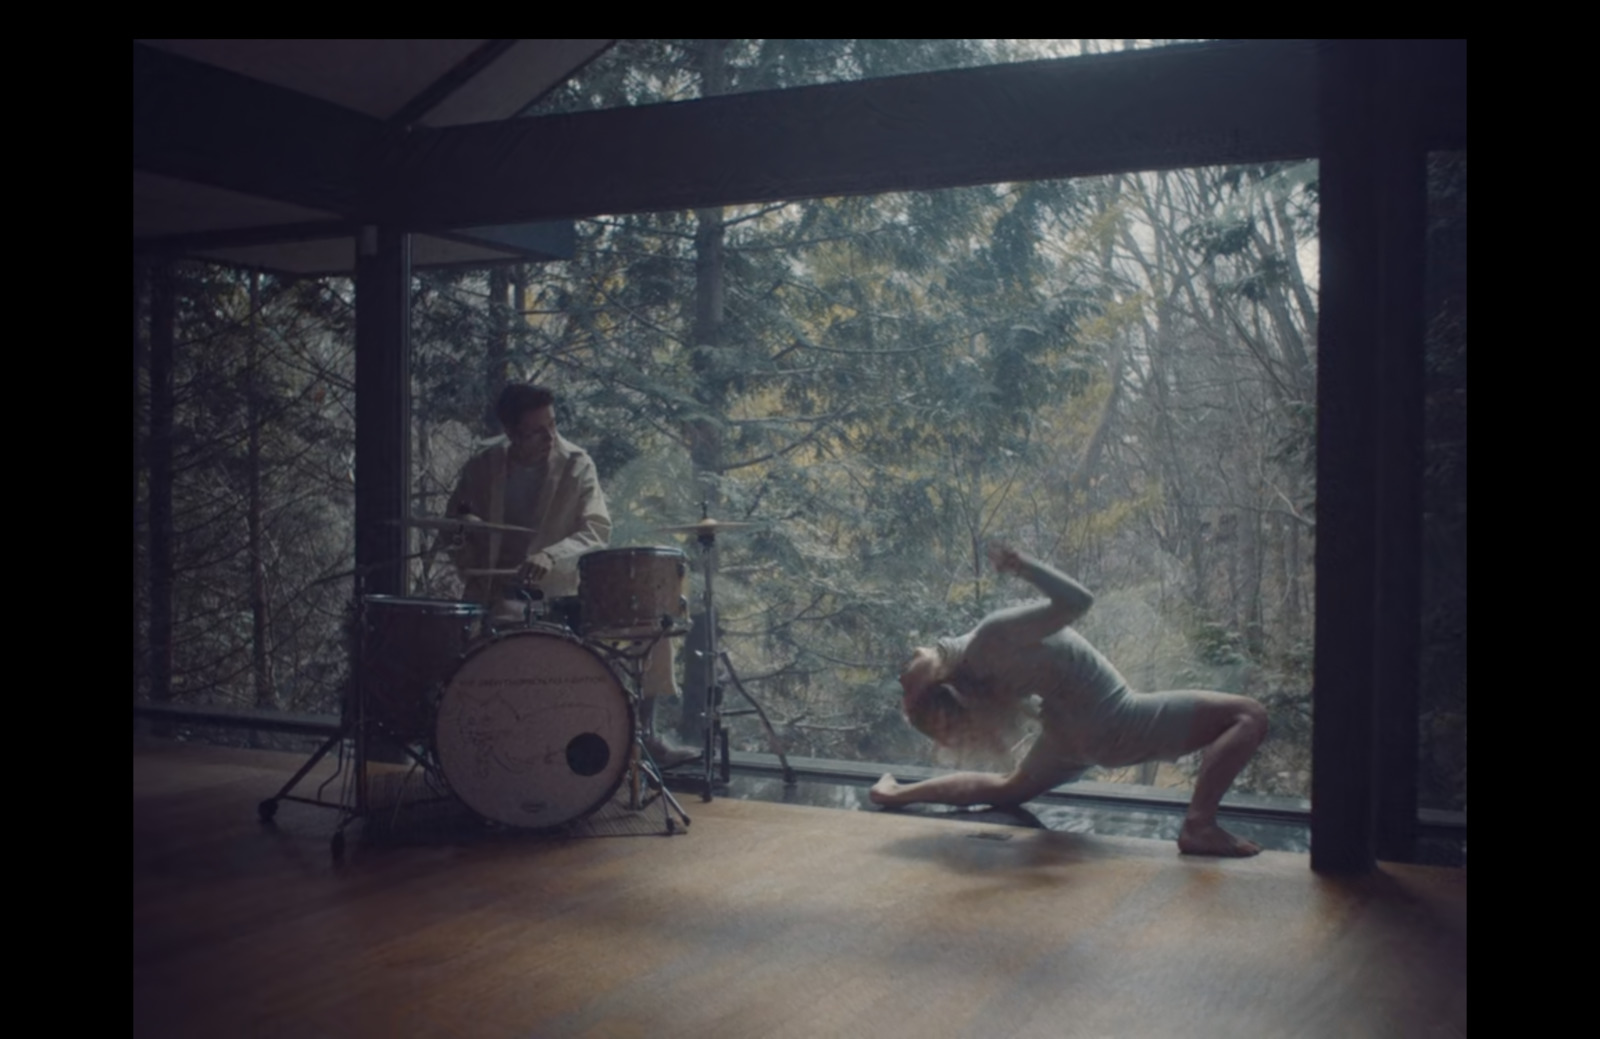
(267,810)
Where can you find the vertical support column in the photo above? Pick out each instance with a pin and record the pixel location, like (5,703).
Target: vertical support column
(140,282)
(383,444)
(1402,207)
(163,316)
(383,407)
(1342,784)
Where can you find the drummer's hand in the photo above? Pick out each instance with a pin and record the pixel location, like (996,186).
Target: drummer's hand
(1004,558)
(536,567)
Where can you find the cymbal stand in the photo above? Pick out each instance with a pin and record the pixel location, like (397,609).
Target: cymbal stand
(716,734)
(642,767)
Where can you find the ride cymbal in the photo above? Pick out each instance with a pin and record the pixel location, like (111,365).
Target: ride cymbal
(707,526)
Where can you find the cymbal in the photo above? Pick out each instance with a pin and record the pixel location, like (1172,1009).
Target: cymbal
(707,526)
(488,573)
(453,525)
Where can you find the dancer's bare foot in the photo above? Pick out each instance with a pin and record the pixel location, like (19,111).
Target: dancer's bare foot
(1211,839)
(884,789)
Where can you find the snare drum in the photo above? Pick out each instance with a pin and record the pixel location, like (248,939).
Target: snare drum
(534,729)
(633,591)
(409,647)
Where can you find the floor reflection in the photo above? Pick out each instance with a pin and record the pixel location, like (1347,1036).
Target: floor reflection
(1106,820)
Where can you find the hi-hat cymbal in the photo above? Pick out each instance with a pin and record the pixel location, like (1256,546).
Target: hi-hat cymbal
(453,525)
(488,573)
(707,526)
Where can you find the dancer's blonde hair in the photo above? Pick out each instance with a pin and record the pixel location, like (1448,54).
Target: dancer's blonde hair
(973,727)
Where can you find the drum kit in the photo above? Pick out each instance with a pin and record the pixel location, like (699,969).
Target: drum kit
(533,724)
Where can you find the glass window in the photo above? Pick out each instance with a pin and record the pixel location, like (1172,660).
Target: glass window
(1116,374)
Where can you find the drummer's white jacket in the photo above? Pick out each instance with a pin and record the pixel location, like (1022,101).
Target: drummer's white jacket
(573,519)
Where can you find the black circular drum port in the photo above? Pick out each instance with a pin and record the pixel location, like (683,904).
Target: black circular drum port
(588,753)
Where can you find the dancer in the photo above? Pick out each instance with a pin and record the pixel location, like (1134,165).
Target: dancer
(973,691)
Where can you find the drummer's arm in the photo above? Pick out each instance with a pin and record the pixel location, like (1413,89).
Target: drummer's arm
(594,518)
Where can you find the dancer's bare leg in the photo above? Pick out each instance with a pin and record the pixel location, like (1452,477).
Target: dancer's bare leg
(1227,729)
(959,789)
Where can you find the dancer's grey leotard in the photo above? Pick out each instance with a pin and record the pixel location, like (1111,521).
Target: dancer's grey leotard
(1089,715)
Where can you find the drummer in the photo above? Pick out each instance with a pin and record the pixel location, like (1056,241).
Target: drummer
(535,478)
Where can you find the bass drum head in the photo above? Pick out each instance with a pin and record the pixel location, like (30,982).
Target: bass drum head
(534,730)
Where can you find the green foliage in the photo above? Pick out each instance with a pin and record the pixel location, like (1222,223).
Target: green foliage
(1218,645)
(261,416)
(1224,237)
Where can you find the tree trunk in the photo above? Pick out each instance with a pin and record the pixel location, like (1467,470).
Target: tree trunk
(266,695)
(519,298)
(704,432)
(1295,612)
(1254,633)
(497,353)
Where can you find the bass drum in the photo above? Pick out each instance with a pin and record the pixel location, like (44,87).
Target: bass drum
(534,729)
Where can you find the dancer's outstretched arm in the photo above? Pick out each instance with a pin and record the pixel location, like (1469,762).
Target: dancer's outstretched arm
(960,789)
(1069,600)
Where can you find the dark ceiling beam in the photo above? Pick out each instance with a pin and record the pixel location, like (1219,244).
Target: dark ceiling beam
(447,84)
(530,242)
(1216,103)
(196,122)
(1195,105)
(232,238)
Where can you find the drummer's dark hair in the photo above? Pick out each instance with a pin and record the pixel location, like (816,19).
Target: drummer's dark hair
(519,398)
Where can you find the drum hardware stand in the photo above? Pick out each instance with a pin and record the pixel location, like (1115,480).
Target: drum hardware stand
(716,735)
(354,727)
(642,767)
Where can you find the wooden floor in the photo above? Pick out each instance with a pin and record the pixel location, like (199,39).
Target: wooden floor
(763,920)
